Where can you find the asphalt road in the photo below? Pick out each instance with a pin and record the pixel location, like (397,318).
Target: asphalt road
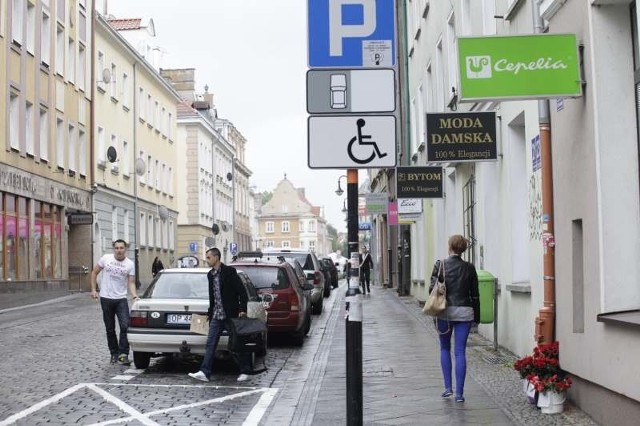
(56,370)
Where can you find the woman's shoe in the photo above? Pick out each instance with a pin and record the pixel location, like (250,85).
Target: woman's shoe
(447,393)
(459,398)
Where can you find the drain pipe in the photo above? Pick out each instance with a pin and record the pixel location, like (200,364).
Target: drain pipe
(545,322)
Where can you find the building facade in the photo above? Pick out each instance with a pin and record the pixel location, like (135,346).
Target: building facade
(45,168)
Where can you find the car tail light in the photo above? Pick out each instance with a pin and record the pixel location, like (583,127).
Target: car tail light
(138,319)
(316,278)
(294,302)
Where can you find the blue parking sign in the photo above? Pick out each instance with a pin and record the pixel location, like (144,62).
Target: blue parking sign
(233,248)
(351,33)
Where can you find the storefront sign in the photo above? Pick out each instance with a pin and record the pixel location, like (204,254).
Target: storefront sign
(419,182)
(519,67)
(461,137)
(17,182)
(377,202)
(80,219)
(392,214)
(410,205)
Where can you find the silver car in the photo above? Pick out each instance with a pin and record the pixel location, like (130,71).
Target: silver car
(160,321)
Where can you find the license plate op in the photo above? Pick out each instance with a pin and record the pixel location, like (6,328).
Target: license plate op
(182,319)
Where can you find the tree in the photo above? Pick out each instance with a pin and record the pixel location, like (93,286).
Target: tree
(333,234)
(266,197)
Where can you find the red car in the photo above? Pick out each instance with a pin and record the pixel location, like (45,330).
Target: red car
(282,293)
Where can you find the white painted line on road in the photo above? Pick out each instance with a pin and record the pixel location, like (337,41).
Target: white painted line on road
(185,406)
(41,404)
(255,415)
(135,414)
(134,371)
(122,377)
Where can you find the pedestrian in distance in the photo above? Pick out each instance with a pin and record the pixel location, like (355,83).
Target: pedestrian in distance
(118,273)
(366,264)
(463,311)
(156,266)
(227,299)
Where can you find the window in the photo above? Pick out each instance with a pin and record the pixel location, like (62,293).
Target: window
(125,90)
(112,85)
(170,129)
(170,181)
(102,151)
(268,227)
(114,223)
(71,61)
(44,134)
(114,143)
(29,128)
(82,24)
(312,226)
(82,66)
(312,245)
(157,233)
(125,226)
(439,106)
(172,242)
(635,19)
(73,151)
(17,21)
(156,116)
(452,62)
(45,37)
(60,142)
(82,152)
(488,17)
(60,50)
(285,226)
(31,27)
(149,171)
(286,244)
(61,10)
(468,206)
(47,241)
(99,70)
(149,110)
(142,224)
(149,231)
(126,160)
(141,104)
(156,176)
(268,243)
(14,120)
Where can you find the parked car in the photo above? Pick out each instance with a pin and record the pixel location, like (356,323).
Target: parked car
(333,271)
(312,271)
(282,292)
(160,320)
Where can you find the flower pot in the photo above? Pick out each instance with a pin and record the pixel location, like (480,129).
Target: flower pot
(532,394)
(551,402)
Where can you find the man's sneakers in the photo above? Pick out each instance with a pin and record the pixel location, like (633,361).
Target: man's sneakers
(242,378)
(114,358)
(123,359)
(199,376)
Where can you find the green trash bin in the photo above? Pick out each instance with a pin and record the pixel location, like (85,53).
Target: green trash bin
(486,284)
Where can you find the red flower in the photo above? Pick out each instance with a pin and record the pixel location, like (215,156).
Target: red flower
(542,368)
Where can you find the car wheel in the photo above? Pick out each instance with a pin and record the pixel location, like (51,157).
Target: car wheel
(141,359)
(327,291)
(317,307)
(307,325)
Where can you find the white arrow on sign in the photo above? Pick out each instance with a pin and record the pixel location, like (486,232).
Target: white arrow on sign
(352,142)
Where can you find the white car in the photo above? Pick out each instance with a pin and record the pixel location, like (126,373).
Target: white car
(159,322)
(338,87)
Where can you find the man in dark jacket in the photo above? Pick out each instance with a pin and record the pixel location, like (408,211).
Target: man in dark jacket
(227,299)
(366,264)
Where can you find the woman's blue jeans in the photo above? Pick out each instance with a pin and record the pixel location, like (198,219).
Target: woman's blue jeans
(460,330)
(112,309)
(243,360)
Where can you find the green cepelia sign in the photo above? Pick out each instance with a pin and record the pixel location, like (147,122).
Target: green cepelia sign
(519,67)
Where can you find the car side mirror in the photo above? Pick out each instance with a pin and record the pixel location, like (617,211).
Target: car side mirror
(311,276)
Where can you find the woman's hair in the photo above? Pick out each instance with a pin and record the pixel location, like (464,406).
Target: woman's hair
(457,244)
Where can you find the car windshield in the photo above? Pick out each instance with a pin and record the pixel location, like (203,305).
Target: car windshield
(261,277)
(304,259)
(179,286)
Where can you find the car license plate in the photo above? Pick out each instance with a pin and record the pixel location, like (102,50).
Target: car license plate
(179,319)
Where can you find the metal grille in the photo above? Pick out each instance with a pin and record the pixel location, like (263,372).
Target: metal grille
(469,203)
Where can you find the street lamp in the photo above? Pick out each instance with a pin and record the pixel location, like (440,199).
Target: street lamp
(344,204)
(339,191)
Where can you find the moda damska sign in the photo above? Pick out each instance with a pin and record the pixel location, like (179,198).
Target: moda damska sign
(461,136)
(519,67)
(419,182)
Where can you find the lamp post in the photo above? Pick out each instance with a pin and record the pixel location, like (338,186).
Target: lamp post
(339,191)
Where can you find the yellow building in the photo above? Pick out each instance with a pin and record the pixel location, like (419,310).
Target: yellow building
(45,168)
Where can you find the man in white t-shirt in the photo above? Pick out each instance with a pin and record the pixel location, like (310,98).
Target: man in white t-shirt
(118,272)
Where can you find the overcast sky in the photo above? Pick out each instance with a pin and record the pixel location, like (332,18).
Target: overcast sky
(253,56)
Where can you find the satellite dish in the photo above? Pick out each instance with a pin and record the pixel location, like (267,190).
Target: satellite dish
(225,228)
(106,76)
(112,154)
(163,212)
(141,168)
(209,241)
(229,176)
(215,229)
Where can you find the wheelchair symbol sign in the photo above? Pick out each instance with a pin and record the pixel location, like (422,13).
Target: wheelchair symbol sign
(352,141)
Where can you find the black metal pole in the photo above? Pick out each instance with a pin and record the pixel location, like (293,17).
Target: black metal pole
(137,266)
(354,308)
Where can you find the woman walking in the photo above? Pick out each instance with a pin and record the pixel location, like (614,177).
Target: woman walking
(463,310)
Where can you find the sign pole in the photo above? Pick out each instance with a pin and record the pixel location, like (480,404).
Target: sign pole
(353,308)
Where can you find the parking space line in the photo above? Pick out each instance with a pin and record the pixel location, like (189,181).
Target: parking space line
(255,415)
(24,413)
(135,414)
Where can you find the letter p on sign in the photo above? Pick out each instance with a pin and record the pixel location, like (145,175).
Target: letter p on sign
(343,22)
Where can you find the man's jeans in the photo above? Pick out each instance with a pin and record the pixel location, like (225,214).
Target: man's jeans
(215,330)
(112,308)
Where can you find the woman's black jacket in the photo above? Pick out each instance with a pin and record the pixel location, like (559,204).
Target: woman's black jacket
(461,280)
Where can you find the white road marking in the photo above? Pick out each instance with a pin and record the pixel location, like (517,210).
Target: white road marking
(135,414)
(184,407)
(41,404)
(122,377)
(255,415)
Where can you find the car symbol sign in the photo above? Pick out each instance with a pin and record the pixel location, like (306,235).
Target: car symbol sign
(155,315)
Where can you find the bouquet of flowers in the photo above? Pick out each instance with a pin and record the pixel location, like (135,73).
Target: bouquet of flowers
(542,369)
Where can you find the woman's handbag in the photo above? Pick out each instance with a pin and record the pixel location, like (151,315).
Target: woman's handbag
(437,301)
(246,334)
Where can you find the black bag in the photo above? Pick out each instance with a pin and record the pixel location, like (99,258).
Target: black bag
(247,335)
